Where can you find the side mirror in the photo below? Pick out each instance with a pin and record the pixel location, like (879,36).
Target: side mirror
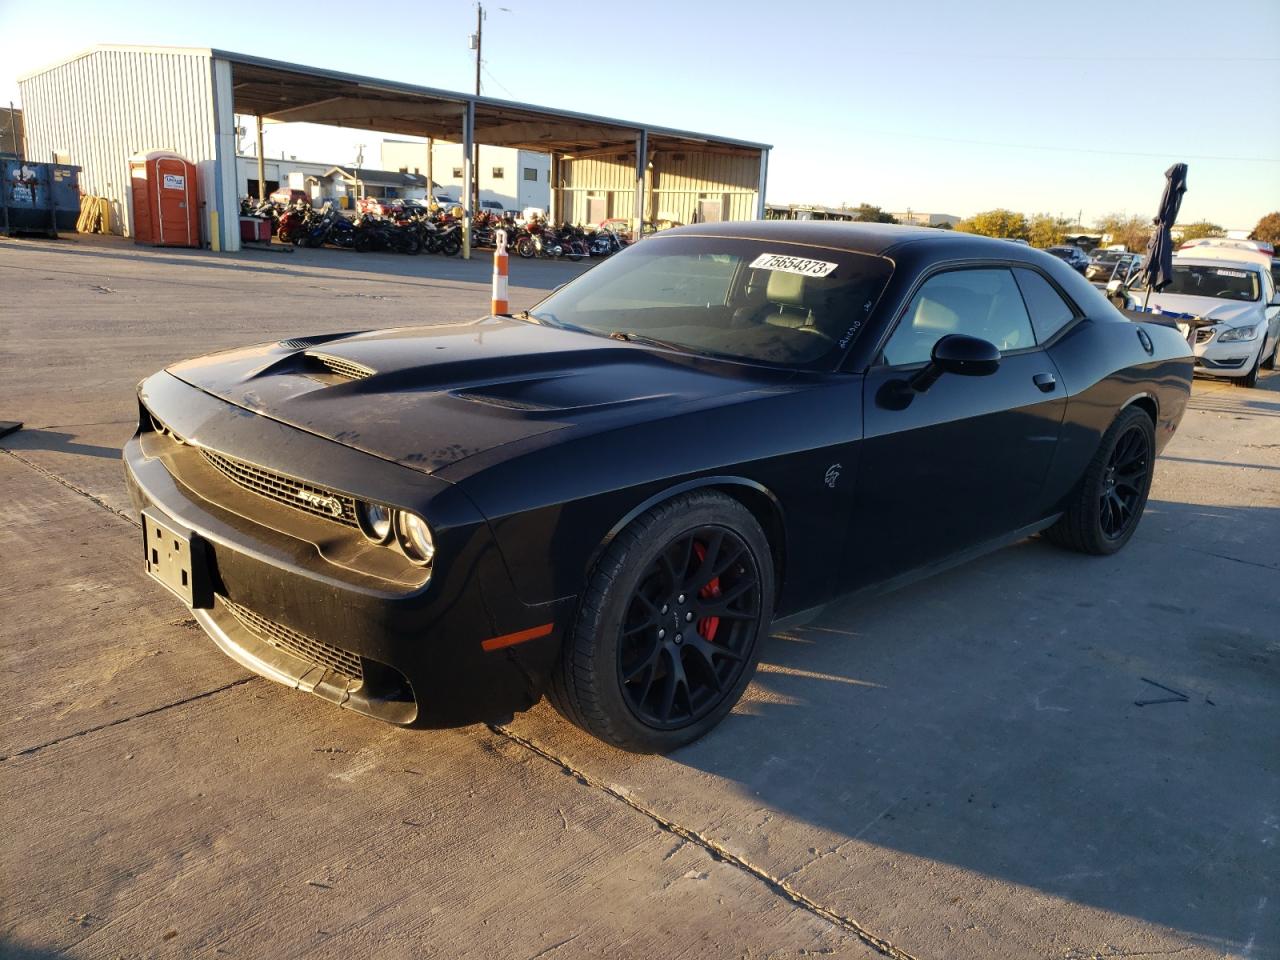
(958,354)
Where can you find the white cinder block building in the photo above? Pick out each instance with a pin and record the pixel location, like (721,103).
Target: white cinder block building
(508,176)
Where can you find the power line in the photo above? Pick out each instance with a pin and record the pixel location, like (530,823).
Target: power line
(488,73)
(1112,153)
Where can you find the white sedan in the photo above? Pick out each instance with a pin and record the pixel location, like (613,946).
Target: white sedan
(1229,299)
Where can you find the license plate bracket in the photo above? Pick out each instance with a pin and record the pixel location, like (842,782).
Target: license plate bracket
(176,558)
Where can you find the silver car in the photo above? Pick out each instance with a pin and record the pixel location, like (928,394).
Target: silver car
(1228,309)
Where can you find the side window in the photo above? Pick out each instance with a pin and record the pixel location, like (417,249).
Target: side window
(979,303)
(1049,312)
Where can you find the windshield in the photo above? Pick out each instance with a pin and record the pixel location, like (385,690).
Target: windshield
(753,300)
(1061,252)
(1221,283)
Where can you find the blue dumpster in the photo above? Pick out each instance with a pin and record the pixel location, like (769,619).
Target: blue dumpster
(38,197)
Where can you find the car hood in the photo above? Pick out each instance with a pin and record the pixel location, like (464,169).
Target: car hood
(427,397)
(1230,312)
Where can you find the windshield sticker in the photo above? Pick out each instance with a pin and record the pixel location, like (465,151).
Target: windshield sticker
(785,264)
(1239,274)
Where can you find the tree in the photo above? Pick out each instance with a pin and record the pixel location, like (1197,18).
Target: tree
(1133,231)
(1007,224)
(1046,230)
(1199,229)
(868,213)
(1268,229)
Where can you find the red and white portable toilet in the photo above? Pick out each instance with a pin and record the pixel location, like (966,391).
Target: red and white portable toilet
(166,200)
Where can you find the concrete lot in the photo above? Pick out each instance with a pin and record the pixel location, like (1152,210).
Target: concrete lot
(955,770)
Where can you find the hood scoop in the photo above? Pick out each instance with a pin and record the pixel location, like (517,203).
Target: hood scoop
(337,366)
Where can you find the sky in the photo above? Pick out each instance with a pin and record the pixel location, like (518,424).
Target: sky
(943,107)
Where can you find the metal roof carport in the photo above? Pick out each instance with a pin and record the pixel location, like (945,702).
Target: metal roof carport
(102,105)
(285,92)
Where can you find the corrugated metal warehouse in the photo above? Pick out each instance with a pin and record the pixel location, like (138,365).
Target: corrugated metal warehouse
(107,104)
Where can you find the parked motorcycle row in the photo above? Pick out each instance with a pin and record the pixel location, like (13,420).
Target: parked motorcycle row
(436,231)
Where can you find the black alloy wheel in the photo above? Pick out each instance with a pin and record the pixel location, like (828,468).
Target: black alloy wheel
(1107,504)
(689,627)
(1125,482)
(669,628)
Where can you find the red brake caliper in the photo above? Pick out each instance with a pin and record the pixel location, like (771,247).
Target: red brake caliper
(707,626)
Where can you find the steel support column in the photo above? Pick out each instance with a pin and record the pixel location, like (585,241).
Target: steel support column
(468,174)
(642,159)
(553,199)
(764,179)
(262,166)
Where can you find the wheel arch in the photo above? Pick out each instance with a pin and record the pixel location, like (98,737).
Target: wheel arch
(758,499)
(1147,403)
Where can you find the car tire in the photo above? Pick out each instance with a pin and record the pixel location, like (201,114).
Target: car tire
(1271,361)
(1089,524)
(1250,379)
(616,674)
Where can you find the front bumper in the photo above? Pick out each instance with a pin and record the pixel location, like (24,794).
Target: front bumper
(1234,358)
(293,603)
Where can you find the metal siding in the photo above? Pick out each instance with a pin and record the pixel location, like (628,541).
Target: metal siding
(676,188)
(109,105)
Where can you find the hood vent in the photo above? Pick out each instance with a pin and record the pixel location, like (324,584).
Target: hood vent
(323,363)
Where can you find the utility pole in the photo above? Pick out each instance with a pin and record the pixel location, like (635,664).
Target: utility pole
(477,39)
(359,164)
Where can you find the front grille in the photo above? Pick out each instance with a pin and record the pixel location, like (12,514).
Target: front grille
(1204,335)
(339,367)
(300,645)
(303,496)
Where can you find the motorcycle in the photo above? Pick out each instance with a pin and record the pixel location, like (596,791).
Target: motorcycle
(291,223)
(604,243)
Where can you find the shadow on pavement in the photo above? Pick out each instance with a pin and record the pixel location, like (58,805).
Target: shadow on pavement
(52,440)
(988,719)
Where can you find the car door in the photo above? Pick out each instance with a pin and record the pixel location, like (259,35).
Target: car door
(964,461)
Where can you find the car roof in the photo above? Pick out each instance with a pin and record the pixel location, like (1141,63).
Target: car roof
(880,239)
(1239,263)
(1234,255)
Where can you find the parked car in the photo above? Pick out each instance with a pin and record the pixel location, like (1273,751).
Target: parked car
(491,206)
(1073,257)
(1110,265)
(1255,246)
(288,195)
(1226,303)
(612,496)
(619,226)
(380,206)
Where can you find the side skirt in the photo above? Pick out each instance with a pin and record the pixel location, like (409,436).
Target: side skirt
(799,619)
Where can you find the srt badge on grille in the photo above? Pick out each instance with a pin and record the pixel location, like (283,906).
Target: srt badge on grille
(330,505)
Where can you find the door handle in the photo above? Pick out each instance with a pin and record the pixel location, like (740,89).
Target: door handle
(1045,381)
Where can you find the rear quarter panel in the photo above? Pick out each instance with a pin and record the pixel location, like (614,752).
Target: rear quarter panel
(1104,368)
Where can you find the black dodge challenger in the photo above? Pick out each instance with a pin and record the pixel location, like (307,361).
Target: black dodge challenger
(611,497)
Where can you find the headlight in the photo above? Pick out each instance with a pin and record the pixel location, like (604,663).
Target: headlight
(375,521)
(415,538)
(1238,333)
